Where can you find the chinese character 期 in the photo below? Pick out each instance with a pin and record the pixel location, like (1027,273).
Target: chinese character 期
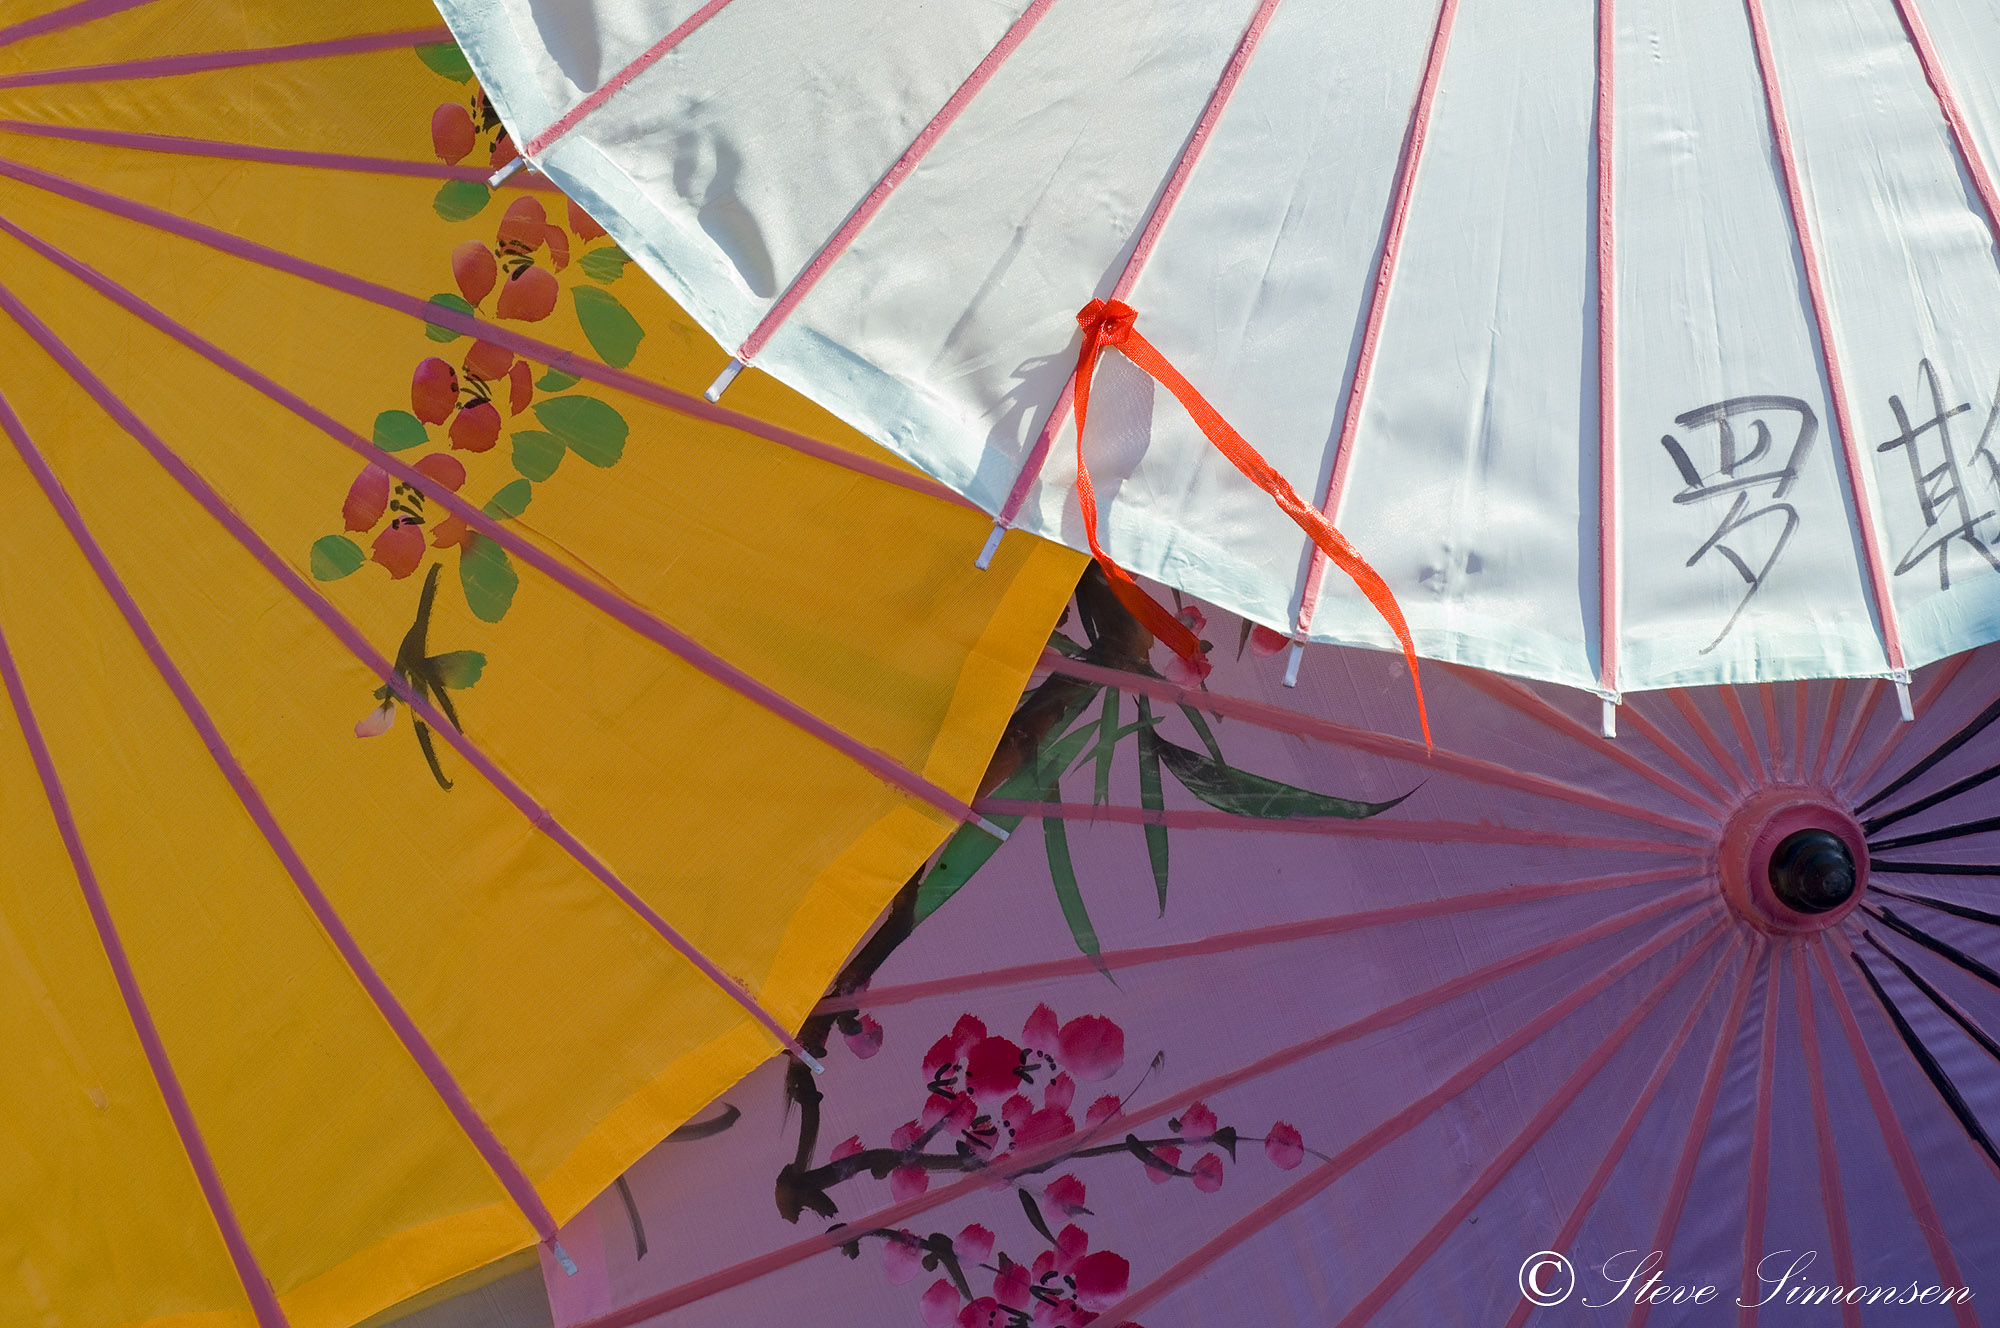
(1941,487)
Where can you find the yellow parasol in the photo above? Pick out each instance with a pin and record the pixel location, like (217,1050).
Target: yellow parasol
(440,751)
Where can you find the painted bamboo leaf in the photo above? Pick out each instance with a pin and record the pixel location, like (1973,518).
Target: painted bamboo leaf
(1200,722)
(1055,833)
(1153,798)
(555,380)
(1241,793)
(971,847)
(1107,730)
(614,334)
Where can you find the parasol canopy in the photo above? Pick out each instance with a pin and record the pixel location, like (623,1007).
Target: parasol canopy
(439,752)
(1268,1015)
(1636,343)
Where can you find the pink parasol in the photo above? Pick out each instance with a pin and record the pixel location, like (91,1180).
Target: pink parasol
(1270,1016)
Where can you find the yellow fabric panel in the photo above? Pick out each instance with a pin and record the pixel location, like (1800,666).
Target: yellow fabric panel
(575,1032)
(184,27)
(88,1155)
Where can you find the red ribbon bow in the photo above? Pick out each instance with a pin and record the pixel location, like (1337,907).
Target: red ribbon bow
(1112,323)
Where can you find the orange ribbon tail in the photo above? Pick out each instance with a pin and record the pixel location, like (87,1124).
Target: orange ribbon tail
(1110,324)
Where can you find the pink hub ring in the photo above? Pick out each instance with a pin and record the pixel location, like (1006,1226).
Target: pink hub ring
(1792,861)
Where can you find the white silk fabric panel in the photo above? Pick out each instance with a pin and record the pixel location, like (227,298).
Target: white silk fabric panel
(946,329)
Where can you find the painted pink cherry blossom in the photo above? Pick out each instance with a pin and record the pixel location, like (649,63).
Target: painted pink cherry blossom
(434,391)
(907,1182)
(1197,1122)
(1207,1172)
(902,1257)
(1186,672)
(1092,1047)
(1072,1243)
(992,1069)
(847,1147)
(367,499)
(1060,1093)
(1010,1286)
(945,1061)
(958,1112)
(1075,1283)
(866,1040)
(940,1305)
(1065,1194)
(986,1312)
(1027,1125)
(399,548)
(473,267)
(1284,1146)
(1101,1278)
(445,469)
(1264,642)
(1169,1154)
(974,1244)
(1039,1033)
(1102,1110)
(377,721)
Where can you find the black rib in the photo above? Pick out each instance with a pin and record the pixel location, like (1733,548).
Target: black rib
(1924,804)
(1959,831)
(1943,906)
(1932,1070)
(1950,745)
(1934,868)
(1937,998)
(1937,946)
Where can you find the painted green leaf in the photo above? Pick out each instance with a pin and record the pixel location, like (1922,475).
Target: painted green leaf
(555,380)
(510,501)
(606,264)
(1107,739)
(967,852)
(1035,1218)
(335,556)
(537,454)
(1200,722)
(445,58)
(588,427)
(971,847)
(458,669)
(1062,871)
(398,430)
(614,334)
(456,303)
(1241,793)
(487,578)
(460,200)
(1153,798)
